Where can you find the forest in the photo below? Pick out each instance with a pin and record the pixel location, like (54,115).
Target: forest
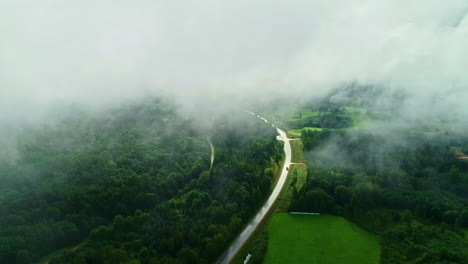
(133,184)
(406,185)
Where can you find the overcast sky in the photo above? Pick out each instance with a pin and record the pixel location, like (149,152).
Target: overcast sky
(97,51)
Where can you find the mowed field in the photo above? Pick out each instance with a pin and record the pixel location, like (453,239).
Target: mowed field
(319,239)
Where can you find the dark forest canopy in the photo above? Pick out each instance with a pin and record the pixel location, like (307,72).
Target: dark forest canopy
(133,185)
(409,188)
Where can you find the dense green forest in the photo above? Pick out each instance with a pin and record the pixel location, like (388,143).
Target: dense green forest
(133,185)
(405,184)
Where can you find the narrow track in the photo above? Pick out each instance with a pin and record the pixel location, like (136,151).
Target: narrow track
(212,152)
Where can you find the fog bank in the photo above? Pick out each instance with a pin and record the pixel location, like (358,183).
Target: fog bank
(102,52)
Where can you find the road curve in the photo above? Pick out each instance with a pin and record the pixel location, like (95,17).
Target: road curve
(250,228)
(212,152)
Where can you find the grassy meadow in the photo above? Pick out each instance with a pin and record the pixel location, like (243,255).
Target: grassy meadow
(319,239)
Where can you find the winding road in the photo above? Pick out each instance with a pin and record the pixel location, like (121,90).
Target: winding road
(212,152)
(250,228)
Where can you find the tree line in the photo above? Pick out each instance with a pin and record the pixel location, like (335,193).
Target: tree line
(133,185)
(410,190)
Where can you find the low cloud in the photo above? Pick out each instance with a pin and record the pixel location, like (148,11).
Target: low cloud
(99,52)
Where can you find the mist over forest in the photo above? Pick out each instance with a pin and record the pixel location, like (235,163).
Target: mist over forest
(110,110)
(59,53)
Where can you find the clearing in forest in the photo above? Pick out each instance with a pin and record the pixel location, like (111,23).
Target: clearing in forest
(319,239)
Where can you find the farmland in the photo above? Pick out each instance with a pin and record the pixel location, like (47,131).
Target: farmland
(319,239)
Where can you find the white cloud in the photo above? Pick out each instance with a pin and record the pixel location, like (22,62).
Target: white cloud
(104,50)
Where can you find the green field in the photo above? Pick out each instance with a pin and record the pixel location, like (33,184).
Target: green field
(319,239)
(355,110)
(297,151)
(300,113)
(296,133)
(360,122)
(359,116)
(297,178)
